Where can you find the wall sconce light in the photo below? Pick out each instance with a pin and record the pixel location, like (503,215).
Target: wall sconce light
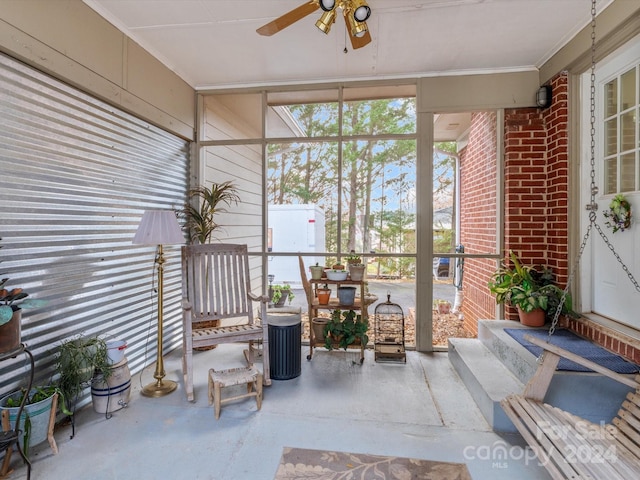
(544,96)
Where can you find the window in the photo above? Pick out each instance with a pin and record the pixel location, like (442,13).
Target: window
(621,133)
(354,163)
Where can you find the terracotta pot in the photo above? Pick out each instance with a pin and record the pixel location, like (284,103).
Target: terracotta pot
(10,333)
(323,295)
(535,318)
(444,308)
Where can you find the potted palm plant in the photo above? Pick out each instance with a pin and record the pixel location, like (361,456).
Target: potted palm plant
(530,291)
(200,219)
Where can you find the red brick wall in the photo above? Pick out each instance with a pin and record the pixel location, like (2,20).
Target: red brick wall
(556,119)
(535,197)
(536,193)
(478,175)
(613,341)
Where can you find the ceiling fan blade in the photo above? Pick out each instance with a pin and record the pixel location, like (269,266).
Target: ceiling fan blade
(359,42)
(289,18)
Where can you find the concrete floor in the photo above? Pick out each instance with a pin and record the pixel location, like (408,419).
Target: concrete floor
(419,409)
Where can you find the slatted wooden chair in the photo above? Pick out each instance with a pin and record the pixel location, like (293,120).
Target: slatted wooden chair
(567,445)
(216,286)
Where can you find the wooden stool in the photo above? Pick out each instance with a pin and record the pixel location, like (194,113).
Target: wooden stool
(234,376)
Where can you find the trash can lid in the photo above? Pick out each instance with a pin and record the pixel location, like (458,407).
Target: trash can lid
(283,320)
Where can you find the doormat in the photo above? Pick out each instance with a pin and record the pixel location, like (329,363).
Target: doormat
(301,463)
(573,343)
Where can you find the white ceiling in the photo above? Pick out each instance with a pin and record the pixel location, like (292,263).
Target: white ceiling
(214,44)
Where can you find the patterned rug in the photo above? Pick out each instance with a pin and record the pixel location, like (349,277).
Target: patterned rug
(300,463)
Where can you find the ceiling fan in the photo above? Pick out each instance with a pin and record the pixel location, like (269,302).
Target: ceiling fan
(355,13)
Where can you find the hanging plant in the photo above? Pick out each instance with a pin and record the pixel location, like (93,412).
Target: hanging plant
(619,214)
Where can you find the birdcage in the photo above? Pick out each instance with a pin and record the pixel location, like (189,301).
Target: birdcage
(389,332)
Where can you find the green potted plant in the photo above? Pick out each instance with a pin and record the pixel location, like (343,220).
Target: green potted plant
(80,360)
(354,259)
(355,266)
(530,291)
(345,328)
(200,219)
(279,294)
(40,407)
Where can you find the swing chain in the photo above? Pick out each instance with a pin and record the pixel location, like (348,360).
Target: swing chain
(593,206)
(592,114)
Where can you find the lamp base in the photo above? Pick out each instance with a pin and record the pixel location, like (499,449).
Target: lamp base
(159,388)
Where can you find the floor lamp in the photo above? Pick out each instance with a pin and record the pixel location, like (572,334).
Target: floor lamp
(159,227)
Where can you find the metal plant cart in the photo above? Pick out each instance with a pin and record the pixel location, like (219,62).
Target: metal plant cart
(389,332)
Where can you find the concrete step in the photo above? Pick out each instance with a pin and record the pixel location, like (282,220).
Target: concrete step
(514,356)
(486,378)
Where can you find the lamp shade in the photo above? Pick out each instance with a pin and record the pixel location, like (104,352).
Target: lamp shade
(158,227)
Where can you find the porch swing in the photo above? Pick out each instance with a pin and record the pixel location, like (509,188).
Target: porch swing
(569,446)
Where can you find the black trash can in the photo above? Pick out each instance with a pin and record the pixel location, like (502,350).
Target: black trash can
(285,345)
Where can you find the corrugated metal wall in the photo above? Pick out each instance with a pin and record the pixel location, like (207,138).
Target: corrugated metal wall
(76,175)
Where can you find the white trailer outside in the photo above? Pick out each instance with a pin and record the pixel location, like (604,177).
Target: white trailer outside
(294,228)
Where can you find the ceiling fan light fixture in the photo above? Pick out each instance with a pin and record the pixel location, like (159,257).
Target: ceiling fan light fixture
(361,11)
(327,5)
(356,28)
(326,20)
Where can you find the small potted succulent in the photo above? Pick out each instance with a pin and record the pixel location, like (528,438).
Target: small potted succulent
(316,271)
